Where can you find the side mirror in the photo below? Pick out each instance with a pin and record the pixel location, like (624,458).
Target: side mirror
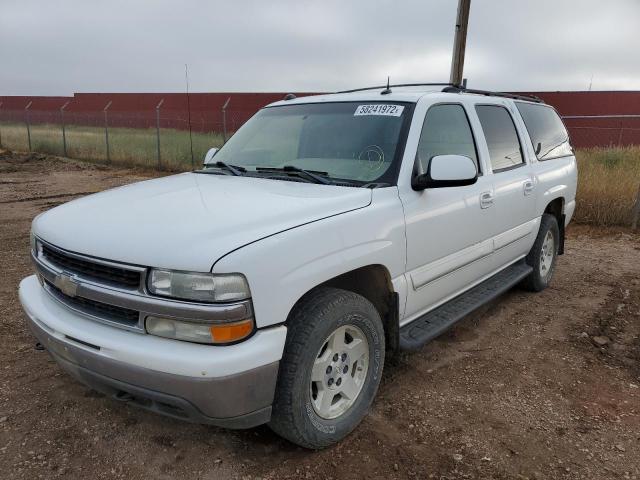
(447,171)
(208,158)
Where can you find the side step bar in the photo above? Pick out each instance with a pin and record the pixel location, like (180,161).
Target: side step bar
(434,323)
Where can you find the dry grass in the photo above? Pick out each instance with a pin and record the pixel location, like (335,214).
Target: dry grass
(608,182)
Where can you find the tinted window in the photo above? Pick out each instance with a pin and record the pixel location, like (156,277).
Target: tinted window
(446,131)
(548,135)
(501,135)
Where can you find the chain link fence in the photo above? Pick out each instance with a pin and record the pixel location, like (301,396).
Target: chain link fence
(603,131)
(608,153)
(170,139)
(166,140)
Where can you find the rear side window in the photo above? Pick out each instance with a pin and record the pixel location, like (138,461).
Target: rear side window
(501,135)
(548,134)
(446,131)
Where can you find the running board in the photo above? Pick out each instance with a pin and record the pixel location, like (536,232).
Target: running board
(434,323)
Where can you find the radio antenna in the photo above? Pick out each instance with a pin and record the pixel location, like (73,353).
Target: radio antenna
(186,78)
(387,90)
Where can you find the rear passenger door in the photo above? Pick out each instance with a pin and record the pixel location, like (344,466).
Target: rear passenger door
(449,231)
(513,181)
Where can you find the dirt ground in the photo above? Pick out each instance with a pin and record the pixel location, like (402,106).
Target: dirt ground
(533,386)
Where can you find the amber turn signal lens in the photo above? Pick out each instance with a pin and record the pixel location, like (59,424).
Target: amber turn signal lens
(231,332)
(199,332)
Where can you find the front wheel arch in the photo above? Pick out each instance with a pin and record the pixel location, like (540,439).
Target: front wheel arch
(373,282)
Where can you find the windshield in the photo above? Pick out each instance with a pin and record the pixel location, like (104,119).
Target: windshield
(358,142)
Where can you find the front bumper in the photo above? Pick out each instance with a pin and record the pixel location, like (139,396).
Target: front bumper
(229,386)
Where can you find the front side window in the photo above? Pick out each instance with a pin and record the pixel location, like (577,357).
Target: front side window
(358,142)
(547,132)
(501,135)
(445,131)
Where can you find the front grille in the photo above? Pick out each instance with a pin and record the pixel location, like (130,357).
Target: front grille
(113,313)
(111,274)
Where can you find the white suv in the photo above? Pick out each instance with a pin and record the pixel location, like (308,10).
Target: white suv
(328,232)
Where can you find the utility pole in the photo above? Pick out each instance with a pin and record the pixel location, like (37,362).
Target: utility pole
(460,42)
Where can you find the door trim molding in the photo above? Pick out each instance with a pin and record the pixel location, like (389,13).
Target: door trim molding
(449,264)
(426,274)
(512,235)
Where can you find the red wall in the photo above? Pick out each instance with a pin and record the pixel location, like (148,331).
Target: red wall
(598,132)
(139,110)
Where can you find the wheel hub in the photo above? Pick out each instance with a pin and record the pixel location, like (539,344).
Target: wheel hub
(339,371)
(547,254)
(336,370)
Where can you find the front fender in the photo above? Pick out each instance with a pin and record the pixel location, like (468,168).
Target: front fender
(280,269)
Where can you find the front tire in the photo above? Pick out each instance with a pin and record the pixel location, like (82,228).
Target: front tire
(543,255)
(330,369)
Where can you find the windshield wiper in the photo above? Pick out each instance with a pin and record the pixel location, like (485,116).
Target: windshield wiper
(234,169)
(314,177)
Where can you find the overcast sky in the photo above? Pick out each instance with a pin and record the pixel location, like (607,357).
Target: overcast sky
(59,47)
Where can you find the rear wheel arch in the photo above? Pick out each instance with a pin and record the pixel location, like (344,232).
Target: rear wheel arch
(543,254)
(556,208)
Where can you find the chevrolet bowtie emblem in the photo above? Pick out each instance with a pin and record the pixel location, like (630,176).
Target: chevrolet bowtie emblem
(66,284)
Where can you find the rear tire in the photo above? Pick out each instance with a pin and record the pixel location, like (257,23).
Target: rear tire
(330,369)
(543,255)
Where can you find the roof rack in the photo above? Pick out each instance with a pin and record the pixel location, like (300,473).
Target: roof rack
(458,89)
(398,85)
(451,88)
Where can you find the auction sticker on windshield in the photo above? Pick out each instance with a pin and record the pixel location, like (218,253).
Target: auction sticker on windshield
(379,109)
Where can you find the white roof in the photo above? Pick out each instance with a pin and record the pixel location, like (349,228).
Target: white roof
(398,94)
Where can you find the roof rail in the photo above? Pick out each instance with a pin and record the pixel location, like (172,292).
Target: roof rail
(399,85)
(459,89)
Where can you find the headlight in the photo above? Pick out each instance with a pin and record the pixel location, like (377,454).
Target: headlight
(36,245)
(32,240)
(200,287)
(219,333)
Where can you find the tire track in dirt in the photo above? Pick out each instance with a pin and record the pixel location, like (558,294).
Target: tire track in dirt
(47,197)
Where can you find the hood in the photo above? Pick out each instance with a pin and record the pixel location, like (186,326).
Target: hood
(188,221)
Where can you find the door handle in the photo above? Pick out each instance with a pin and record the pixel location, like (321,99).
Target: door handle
(486,199)
(528,187)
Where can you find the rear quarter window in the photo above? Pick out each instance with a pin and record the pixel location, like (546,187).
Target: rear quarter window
(548,134)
